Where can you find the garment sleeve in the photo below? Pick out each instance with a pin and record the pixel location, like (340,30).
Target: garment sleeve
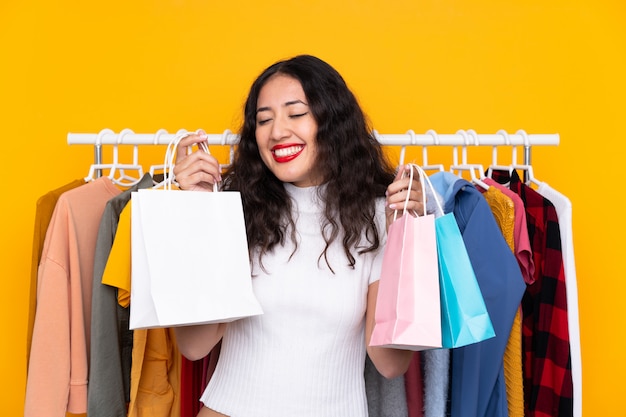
(57,380)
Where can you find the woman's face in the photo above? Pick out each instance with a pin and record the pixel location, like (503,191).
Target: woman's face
(286,131)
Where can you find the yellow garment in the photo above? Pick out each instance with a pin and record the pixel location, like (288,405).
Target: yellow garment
(118,267)
(156,361)
(503,210)
(155,374)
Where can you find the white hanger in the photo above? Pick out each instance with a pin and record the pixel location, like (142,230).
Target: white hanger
(425,165)
(160,168)
(168,163)
(530,177)
(122,178)
(464,166)
(95,170)
(403,149)
(231,151)
(494,156)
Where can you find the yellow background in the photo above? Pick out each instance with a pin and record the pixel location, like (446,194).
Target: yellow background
(546,67)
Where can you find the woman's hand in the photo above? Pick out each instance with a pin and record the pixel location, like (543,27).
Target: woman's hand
(199,170)
(397,192)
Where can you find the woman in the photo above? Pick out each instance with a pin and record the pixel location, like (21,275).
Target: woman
(313,182)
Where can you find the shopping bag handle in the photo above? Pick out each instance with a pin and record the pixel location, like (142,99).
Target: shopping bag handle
(408,194)
(423,180)
(170,156)
(424,177)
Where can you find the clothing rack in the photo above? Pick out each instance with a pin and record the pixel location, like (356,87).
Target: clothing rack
(463,138)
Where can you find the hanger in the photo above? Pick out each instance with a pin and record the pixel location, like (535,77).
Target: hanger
(160,168)
(119,172)
(464,166)
(168,161)
(231,150)
(425,165)
(403,150)
(529,177)
(494,156)
(95,170)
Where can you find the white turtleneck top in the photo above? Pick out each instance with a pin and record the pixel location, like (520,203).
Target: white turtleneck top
(305,355)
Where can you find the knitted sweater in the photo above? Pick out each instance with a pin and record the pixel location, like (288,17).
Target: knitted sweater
(305,355)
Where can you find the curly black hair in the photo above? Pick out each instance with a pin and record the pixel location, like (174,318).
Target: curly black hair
(354,167)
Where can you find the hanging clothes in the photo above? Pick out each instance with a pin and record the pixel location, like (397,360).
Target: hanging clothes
(523,254)
(58,369)
(385,397)
(503,209)
(155,375)
(548,386)
(477,371)
(111,339)
(156,360)
(563,207)
(414,386)
(43,215)
(521,241)
(194,377)
(436,382)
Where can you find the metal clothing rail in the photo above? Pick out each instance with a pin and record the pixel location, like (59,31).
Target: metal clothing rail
(464,138)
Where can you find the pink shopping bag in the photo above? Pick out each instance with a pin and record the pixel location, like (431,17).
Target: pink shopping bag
(408,312)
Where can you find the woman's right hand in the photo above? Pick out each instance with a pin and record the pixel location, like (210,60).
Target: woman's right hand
(196,171)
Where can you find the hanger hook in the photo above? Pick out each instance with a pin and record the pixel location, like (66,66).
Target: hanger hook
(526,146)
(463,133)
(101,135)
(494,149)
(524,135)
(225,136)
(158,134)
(472,133)
(505,136)
(411,134)
(434,135)
(120,136)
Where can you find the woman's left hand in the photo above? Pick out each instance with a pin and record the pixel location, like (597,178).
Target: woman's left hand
(397,193)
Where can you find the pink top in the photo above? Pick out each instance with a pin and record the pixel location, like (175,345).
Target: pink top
(523,252)
(58,367)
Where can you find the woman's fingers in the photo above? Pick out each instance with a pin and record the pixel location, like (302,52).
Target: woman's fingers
(187,143)
(197,170)
(398,191)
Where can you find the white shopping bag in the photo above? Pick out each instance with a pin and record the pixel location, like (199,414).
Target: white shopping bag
(190,262)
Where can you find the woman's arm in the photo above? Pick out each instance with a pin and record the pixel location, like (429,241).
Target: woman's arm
(195,342)
(196,171)
(388,361)
(392,362)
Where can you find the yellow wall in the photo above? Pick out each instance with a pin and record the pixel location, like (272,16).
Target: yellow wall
(546,67)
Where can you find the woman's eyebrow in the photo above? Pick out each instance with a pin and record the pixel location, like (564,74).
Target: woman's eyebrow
(288,103)
(292,102)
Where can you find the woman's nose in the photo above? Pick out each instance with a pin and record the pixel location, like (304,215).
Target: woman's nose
(280,129)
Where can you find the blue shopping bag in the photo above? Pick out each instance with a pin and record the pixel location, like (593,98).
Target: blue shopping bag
(464,316)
